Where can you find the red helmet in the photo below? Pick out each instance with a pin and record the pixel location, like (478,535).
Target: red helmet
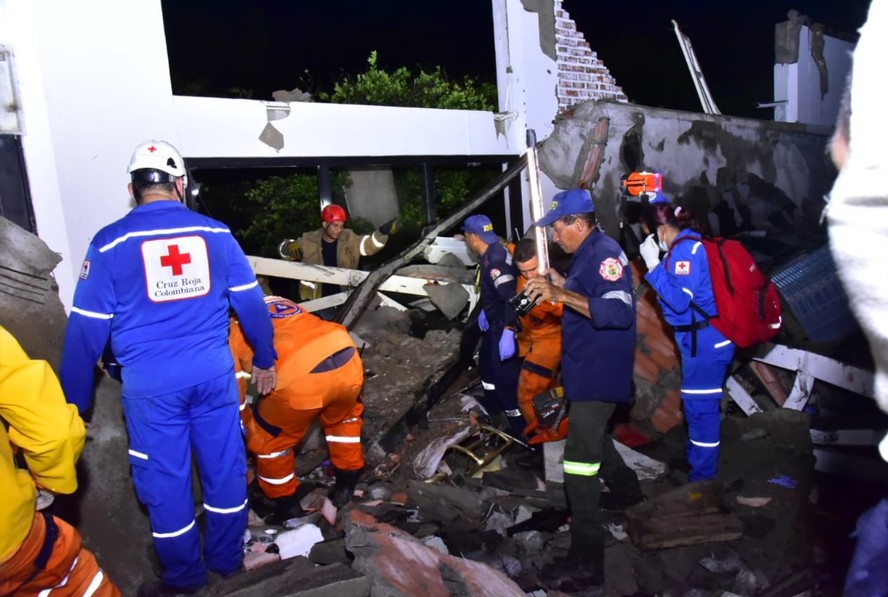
(333,213)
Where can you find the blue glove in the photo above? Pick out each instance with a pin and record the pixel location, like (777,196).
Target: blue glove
(507,344)
(482,321)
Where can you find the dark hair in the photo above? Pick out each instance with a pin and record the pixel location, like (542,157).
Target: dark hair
(668,214)
(140,188)
(589,218)
(525,249)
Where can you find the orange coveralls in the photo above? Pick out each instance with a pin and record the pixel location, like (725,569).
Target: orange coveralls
(319,374)
(539,346)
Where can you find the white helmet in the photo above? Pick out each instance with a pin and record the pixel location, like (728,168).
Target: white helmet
(154,158)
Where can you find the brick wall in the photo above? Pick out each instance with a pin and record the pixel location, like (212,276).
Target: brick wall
(581,75)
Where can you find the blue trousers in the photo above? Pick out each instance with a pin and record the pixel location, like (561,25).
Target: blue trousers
(164,432)
(500,380)
(702,381)
(868,572)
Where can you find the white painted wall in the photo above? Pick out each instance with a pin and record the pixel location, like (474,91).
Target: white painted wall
(526,82)
(799,83)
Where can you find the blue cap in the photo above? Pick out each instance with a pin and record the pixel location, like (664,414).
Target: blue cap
(658,198)
(568,203)
(482,226)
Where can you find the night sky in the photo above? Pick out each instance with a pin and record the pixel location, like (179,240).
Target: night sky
(264,45)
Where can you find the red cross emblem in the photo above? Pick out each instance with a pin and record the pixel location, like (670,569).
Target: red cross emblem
(175,260)
(152,149)
(682,268)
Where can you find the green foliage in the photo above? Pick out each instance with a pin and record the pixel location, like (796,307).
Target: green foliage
(401,87)
(280,207)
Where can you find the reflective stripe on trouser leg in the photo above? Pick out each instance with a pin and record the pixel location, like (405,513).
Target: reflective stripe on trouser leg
(702,381)
(344,438)
(704,423)
(223,469)
(160,455)
(584,456)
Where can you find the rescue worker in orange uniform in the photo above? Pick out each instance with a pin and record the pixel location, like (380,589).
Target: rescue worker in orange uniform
(39,553)
(319,375)
(539,340)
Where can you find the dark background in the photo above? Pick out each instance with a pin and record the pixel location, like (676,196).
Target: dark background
(265,45)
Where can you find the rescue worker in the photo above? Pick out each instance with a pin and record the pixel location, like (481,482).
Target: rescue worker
(684,291)
(497,320)
(598,343)
(159,283)
(333,245)
(39,553)
(320,376)
(539,338)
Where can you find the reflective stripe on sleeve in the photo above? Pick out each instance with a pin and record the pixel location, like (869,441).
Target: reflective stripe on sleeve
(721,344)
(688,292)
(502,280)
(181,531)
(62,582)
(92,314)
(94,584)
(487,386)
(620,295)
(513,413)
(582,469)
(696,246)
(706,391)
(243,287)
(135,454)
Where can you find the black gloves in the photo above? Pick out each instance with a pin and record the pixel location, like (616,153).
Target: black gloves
(389,227)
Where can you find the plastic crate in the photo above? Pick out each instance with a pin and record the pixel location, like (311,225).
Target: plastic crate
(811,289)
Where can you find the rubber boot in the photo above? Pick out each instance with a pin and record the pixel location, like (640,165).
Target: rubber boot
(285,508)
(344,488)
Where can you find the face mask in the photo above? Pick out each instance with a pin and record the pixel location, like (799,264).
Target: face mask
(662,244)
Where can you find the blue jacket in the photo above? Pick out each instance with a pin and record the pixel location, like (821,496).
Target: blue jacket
(599,352)
(497,286)
(160,281)
(682,277)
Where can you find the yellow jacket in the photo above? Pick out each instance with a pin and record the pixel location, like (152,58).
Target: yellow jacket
(35,421)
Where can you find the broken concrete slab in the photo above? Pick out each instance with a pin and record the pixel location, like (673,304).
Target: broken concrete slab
(445,503)
(450,299)
(400,566)
(296,577)
(688,515)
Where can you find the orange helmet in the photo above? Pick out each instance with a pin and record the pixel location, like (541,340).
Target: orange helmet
(333,213)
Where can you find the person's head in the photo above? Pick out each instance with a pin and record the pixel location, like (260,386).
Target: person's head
(479,233)
(157,171)
(572,218)
(666,220)
(525,257)
(332,221)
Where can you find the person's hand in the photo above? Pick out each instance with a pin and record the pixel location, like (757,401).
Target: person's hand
(507,344)
(542,289)
(483,324)
(389,227)
(289,250)
(650,252)
(265,379)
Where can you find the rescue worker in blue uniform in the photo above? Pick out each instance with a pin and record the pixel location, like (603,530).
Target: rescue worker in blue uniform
(500,365)
(159,283)
(598,344)
(684,290)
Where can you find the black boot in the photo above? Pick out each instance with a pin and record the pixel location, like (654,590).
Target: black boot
(285,508)
(344,488)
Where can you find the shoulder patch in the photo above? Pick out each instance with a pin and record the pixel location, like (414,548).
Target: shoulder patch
(84,269)
(682,268)
(611,269)
(494,273)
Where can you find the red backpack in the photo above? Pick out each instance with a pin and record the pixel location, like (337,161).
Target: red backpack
(746,299)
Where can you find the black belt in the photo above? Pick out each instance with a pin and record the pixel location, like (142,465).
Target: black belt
(50,536)
(692,327)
